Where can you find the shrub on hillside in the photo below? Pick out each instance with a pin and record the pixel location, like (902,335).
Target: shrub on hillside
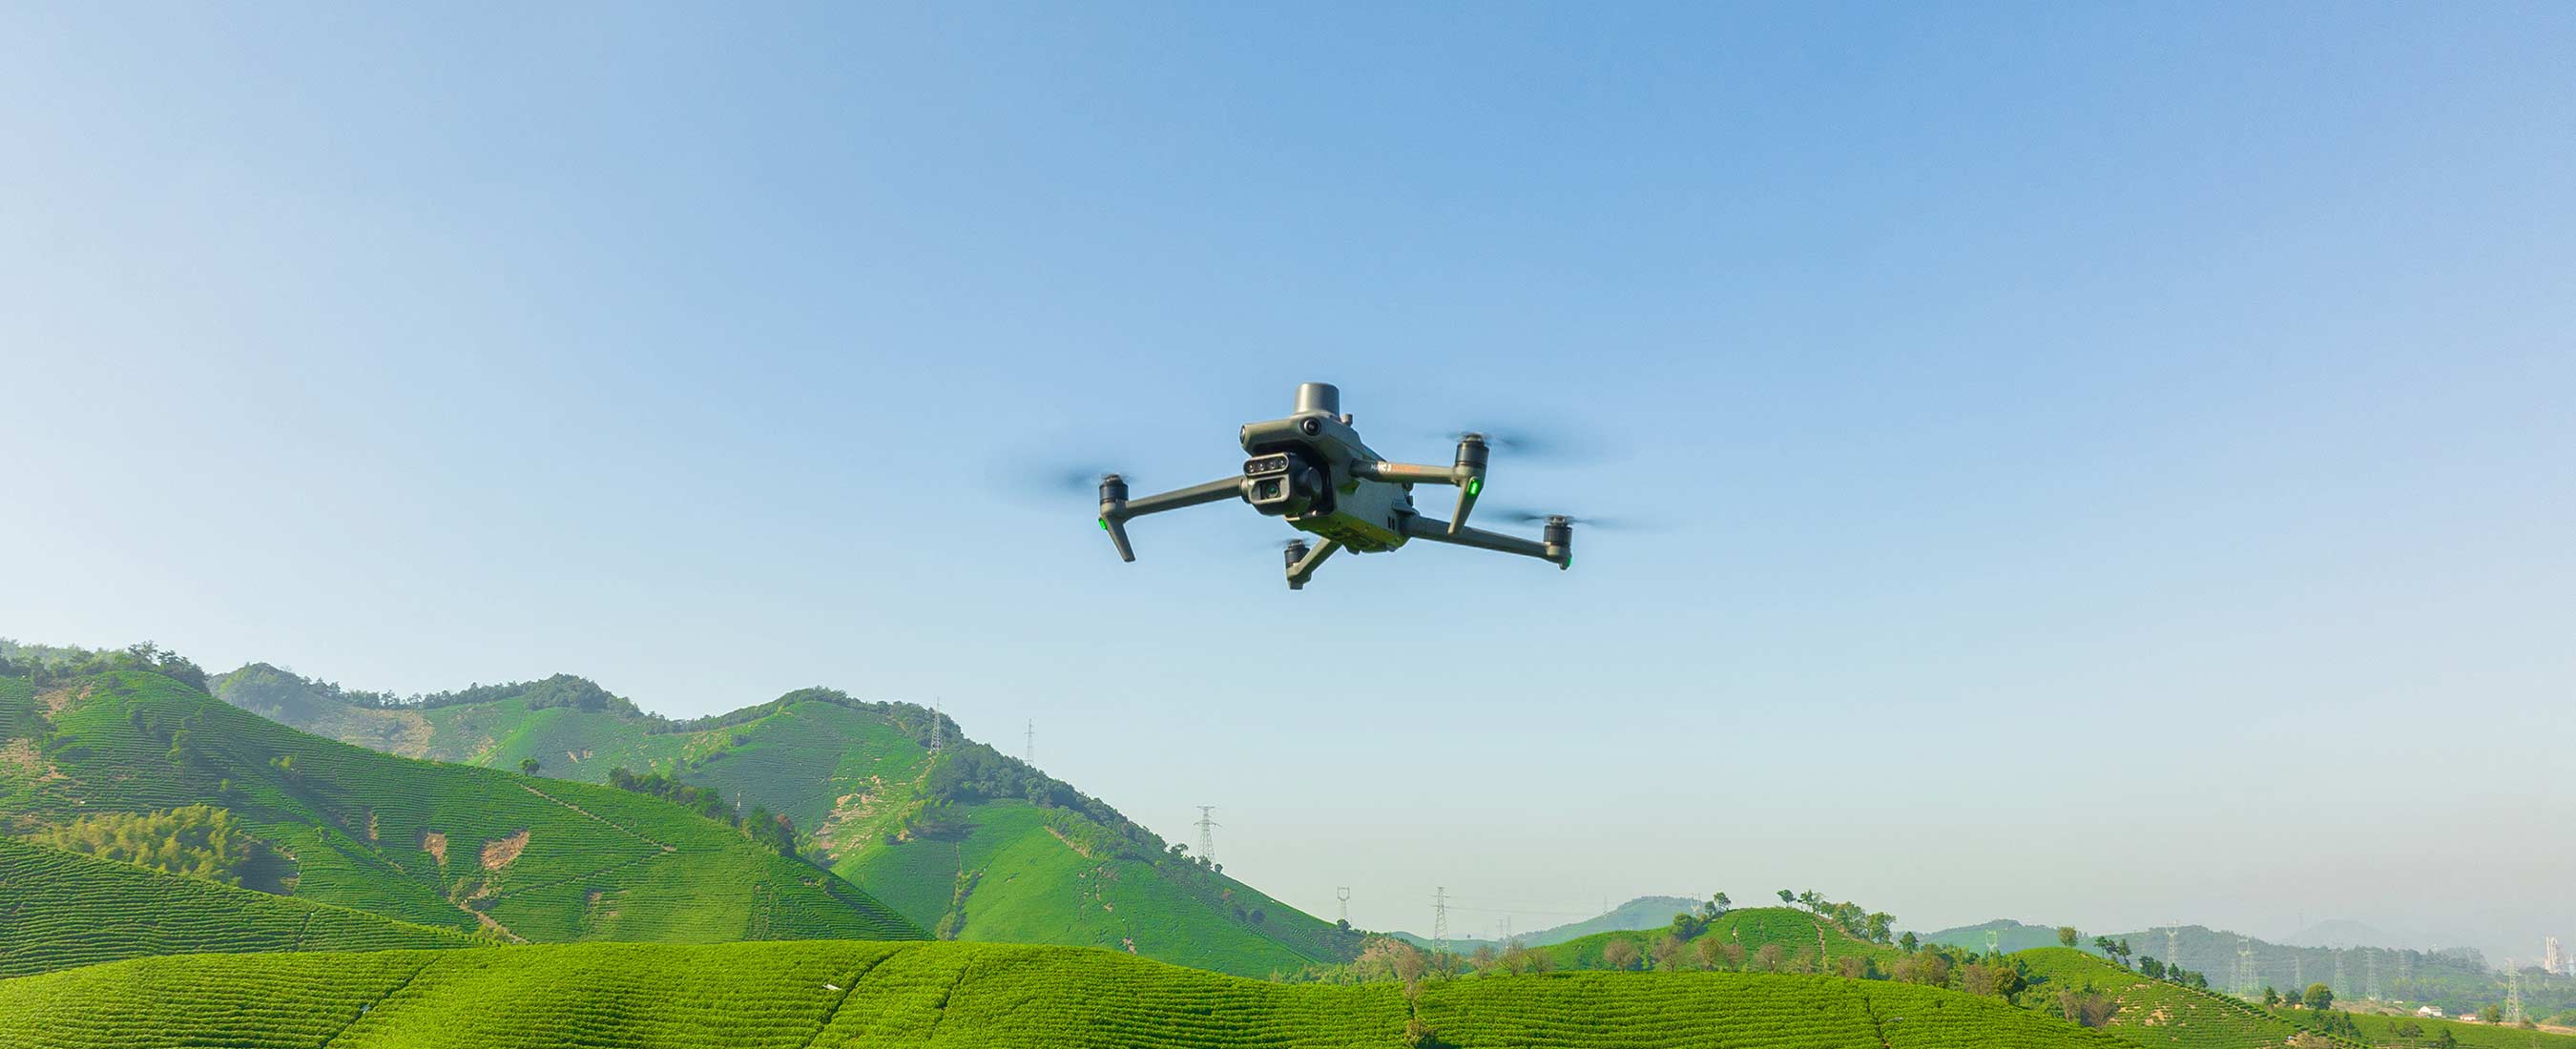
(197,840)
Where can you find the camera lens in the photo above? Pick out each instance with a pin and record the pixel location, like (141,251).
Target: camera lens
(1311,426)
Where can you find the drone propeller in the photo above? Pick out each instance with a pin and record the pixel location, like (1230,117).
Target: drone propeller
(1623,524)
(1528,442)
(1069,478)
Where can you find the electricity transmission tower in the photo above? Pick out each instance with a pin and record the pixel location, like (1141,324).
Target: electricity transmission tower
(1207,834)
(2171,957)
(1029,748)
(1994,940)
(938,728)
(1343,893)
(2512,992)
(1440,918)
(2342,987)
(2370,963)
(2246,977)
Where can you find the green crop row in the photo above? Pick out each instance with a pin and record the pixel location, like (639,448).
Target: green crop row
(59,910)
(825,994)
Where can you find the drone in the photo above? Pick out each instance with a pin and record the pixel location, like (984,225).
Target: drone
(1311,470)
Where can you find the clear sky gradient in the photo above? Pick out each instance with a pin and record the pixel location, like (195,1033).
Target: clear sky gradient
(2112,462)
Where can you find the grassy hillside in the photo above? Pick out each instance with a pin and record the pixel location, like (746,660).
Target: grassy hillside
(947,994)
(60,910)
(443,845)
(969,843)
(2411,1032)
(2151,1012)
(2458,981)
(1797,933)
(2158,1014)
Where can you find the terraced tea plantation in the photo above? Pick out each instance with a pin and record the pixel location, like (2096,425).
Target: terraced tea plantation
(59,910)
(790,995)
(452,846)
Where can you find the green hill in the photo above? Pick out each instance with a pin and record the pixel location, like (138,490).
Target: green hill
(1802,938)
(94,757)
(967,842)
(60,910)
(791,995)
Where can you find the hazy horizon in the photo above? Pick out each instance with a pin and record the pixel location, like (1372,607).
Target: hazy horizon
(2103,470)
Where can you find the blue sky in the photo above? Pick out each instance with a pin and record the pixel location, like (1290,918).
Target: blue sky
(2112,462)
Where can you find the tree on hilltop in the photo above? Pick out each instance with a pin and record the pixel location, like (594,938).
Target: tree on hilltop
(1787,897)
(2066,935)
(2319,997)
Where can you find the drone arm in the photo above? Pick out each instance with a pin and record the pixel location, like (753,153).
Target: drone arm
(1114,512)
(1193,495)
(1406,473)
(1420,527)
(1468,473)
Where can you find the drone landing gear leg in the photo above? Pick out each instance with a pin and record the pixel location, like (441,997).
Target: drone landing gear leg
(1302,562)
